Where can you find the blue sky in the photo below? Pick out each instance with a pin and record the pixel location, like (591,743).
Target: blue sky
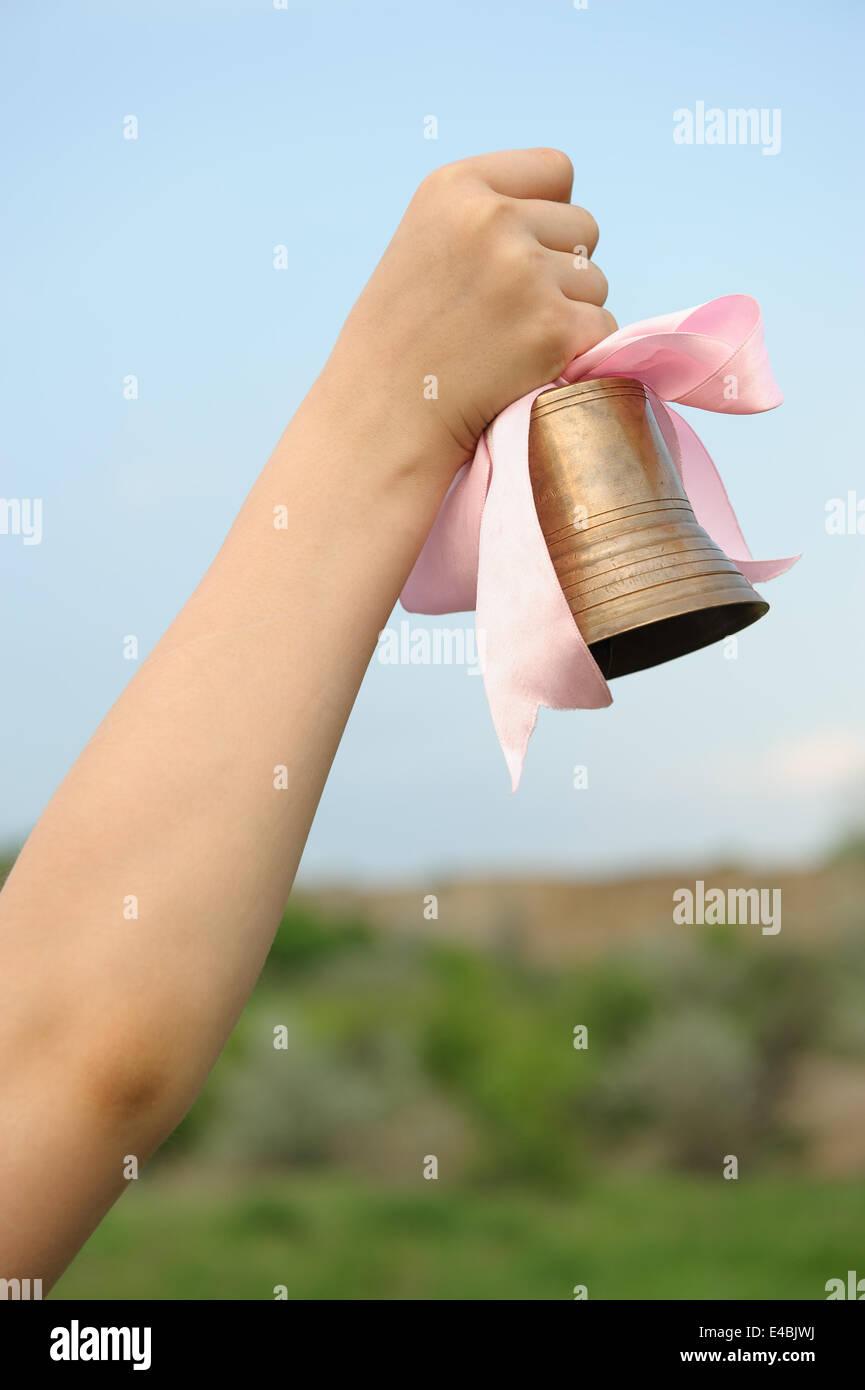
(304,127)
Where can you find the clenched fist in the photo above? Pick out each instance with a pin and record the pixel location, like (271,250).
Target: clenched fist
(485,291)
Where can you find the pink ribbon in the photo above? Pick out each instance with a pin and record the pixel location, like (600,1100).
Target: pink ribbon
(486,550)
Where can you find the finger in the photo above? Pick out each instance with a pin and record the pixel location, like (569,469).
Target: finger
(590,326)
(540,173)
(579,278)
(560,226)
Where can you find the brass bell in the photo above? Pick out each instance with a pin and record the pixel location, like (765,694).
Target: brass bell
(644,581)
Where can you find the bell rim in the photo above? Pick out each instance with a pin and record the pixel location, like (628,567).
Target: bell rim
(630,658)
(745,604)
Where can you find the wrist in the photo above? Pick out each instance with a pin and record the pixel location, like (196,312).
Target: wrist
(394,438)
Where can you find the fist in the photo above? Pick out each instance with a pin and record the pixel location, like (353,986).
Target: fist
(486,290)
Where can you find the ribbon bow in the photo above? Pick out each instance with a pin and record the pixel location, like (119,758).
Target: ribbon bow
(486,550)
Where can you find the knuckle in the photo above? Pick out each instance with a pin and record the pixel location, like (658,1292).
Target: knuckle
(586,325)
(494,213)
(600,287)
(519,266)
(488,219)
(441,181)
(520,253)
(590,227)
(453,173)
(555,332)
(595,325)
(559,163)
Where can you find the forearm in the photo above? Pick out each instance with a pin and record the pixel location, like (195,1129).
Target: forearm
(174,800)
(175,810)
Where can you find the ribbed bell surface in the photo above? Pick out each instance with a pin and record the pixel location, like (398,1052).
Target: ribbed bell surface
(644,581)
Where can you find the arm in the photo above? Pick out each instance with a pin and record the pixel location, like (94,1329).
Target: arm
(110,1023)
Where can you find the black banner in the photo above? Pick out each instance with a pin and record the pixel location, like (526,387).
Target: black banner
(83,1339)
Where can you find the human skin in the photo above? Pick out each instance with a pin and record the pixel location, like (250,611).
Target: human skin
(110,1024)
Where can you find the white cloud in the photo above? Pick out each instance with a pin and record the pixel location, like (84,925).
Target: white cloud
(826,760)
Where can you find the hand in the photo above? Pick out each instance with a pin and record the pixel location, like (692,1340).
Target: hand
(484,292)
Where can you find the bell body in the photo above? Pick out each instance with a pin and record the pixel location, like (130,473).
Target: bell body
(644,581)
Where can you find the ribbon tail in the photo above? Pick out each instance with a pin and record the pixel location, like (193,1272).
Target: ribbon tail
(712,506)
(445,575)
(533,651)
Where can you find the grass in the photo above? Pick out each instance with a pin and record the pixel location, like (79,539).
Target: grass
(337,1238)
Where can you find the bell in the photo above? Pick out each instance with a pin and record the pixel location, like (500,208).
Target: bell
(644,581)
